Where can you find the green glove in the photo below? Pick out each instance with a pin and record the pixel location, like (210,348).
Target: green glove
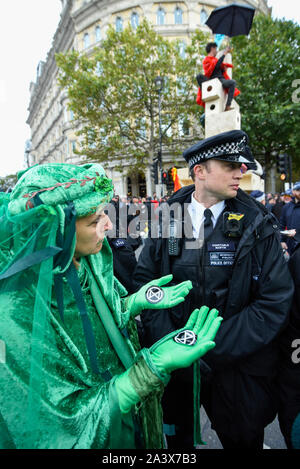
(127,395)
(167,355)
(170,296)
(153,367)
(136,383)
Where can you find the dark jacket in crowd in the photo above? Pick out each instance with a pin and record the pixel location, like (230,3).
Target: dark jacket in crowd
(252,292)
(123,247)
(290,219)
(277,209)
(289,370)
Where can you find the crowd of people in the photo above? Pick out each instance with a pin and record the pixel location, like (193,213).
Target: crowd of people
(274,202)
(285,207)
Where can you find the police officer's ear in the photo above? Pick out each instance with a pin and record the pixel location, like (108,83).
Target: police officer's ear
(199,171)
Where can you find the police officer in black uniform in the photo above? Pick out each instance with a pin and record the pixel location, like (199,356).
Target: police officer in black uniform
(230,250)
(288,376)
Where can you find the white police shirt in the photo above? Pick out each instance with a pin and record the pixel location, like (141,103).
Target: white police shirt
(196,212)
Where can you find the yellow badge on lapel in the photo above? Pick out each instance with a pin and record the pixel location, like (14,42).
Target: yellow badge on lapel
(235,216)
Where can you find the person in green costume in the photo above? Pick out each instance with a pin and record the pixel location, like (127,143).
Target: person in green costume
(72,373)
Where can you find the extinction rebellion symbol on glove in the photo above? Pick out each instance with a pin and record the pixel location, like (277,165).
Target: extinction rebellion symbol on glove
(186,337)
(154,294)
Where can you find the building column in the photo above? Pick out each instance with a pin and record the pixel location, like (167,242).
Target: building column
(118,182)
(193,15)
(149,184)
(134,184)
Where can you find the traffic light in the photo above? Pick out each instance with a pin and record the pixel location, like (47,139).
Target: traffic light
(154,171)
(282,165)
(164,177)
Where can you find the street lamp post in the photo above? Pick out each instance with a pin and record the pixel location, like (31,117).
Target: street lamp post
(159,84)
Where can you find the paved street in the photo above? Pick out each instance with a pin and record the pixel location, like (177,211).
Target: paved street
(273,437)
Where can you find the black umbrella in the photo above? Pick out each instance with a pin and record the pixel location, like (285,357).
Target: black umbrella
(232,20)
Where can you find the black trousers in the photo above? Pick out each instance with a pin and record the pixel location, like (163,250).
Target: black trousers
(239,407)
(230,84)
(288,381)
(257,442)
(177,403)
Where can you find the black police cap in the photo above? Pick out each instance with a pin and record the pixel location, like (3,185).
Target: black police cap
(228,146)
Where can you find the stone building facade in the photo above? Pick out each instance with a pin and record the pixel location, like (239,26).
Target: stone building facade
(82,26)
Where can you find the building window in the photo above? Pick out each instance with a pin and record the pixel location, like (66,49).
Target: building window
(178,16)
(203,16)
(181,86)
(99,69)
(162,49)
(86,40)
(39,69)
(119,24)
(125,129)
(183,127)
(67,146)
(91,136)
(167,127)
(73,146)
(134,20)
(129,187)
(104,137)
(141,125)
(142,185)
(71,115)
(98,33)
(160,16)
(182,46)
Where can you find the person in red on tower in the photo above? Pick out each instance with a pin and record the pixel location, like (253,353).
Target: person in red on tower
(216,68)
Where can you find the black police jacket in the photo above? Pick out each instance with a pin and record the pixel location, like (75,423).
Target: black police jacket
(290,338)
(258,294)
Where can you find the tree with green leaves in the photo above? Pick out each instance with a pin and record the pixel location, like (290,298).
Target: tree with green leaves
(8,182)
(267,69)
(113,96)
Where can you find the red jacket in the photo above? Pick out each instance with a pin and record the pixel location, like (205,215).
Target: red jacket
(209,64)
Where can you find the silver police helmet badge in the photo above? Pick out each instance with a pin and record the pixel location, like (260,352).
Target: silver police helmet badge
(186,337)
(154,294)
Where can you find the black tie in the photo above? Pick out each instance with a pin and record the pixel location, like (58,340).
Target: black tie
(208,224)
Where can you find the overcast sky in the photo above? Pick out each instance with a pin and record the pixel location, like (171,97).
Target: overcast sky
(26,32)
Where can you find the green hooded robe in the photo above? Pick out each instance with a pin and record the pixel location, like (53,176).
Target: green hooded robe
(51,397)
